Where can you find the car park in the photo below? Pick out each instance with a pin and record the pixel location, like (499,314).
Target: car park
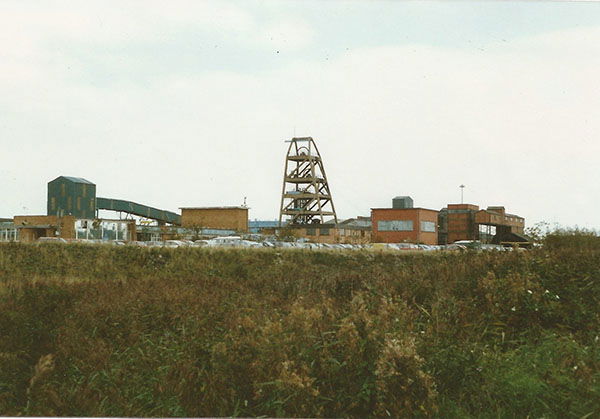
(51,240)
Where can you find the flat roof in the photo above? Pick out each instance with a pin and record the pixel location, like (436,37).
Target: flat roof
(35,226)
(513,215)
(506,214)
(404,209)
(204,208)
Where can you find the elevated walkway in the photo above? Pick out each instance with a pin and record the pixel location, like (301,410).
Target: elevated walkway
(139,210)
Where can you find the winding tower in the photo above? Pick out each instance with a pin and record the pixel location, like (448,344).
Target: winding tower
(305,196)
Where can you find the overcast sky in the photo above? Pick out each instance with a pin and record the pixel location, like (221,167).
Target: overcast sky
(188,103)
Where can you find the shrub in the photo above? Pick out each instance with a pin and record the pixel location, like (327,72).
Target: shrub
(109,331)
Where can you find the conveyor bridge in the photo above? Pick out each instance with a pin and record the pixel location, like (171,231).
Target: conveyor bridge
(138,209)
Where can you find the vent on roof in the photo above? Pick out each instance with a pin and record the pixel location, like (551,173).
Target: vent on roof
(402,202)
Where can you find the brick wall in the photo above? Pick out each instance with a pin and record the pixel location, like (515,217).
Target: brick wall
(217,218)
(416,235)
(28,232)
(319,233)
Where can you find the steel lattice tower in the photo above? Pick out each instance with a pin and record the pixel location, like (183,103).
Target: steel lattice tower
(305,196)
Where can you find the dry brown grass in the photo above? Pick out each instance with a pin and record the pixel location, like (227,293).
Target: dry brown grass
(101,331)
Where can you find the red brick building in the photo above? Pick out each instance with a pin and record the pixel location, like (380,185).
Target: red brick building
(468,222)
(398,225)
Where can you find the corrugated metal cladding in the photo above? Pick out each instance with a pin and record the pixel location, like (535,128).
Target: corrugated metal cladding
(71,196)
(402,202)
(138,209)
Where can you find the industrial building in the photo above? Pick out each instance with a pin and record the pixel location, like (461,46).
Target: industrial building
(34,227)
(226,218)
(491,225)
(404,223)
(306,203)
(72,214)
(257,226)
(72,208)
(355,230)
(8,231)
(351,231)
(71,196)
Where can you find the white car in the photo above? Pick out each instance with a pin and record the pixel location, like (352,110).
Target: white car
(51,240)
(174,243)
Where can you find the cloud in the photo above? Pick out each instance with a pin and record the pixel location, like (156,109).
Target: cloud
(119,21)
(289,34)
(516,122)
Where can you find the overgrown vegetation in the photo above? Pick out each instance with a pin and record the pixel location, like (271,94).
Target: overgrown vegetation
(127,331)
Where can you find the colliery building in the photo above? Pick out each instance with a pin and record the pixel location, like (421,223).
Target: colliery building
(226,218)
(468,222)
(404,223)
(350,231)
(72,214)
(71,196)
(72,208)
(306,203)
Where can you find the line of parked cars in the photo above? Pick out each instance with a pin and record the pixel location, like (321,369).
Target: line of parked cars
(237,241)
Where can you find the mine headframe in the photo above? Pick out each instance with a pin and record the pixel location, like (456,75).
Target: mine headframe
(305,196)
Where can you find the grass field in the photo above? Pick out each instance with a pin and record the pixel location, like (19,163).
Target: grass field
(127,331)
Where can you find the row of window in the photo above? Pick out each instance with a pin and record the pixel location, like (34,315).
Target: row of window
(313,232)
(9,234)
(405,225)
(520,220)
(326,232)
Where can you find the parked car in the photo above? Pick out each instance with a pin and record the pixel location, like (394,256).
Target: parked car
(137,243)
(455,246)
(173,243)
(51,240)
(469,244)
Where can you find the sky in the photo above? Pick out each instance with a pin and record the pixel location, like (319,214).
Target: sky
(188,103)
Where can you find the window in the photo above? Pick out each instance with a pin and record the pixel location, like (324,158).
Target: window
(428,226)
(311,231)
(79,203)
(63,190)
(92,204)
(83,189)
(69,203)
(53,203)
(395,225)
(324,231)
